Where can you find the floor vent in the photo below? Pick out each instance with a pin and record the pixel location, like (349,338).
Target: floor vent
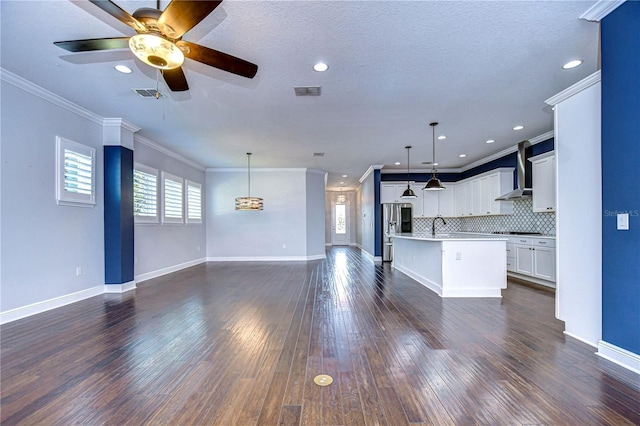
(148,93)
(308,91)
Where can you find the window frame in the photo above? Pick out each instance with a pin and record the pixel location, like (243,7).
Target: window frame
(68,198)
(151,171)
(188,207)
(177,179)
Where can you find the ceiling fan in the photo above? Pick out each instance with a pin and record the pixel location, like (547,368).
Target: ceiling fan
(159,43)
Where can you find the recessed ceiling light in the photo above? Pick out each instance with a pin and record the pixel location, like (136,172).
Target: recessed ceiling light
(441,137)
(435,164)
(572,64)
(462,155)
(341,183)
(518,127)
(123,69)
(397,163)
(321,67)
(344,175)
(490,141)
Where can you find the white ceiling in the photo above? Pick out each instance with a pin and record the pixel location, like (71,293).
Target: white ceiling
(477,67)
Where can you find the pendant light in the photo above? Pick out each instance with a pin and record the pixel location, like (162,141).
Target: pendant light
(434,183)
(249,202)
(408,193)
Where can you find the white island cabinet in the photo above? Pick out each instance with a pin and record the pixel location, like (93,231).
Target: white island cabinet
(454,265)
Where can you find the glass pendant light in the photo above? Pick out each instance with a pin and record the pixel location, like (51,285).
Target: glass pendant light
(249,203)
(434,183)
(408,193)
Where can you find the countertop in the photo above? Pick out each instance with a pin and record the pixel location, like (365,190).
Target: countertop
(465,236)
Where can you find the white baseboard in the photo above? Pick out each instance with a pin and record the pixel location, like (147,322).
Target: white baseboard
(617,355)
(47,305)
(265,258)
(119,288)
(168,270)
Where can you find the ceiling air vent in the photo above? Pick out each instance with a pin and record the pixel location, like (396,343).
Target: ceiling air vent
(307,91)
(318,154)
(149,93)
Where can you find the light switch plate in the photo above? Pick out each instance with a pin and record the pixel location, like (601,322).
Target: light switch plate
(623,221)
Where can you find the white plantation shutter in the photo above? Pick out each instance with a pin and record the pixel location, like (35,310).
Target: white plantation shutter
(194,202)
(172,192)
(145,193)
(75,173)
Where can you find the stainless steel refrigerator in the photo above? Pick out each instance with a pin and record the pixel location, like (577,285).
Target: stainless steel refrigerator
(396,219)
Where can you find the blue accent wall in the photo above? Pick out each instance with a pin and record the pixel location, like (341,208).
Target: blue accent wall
(378,213)
(118,215)
(621,176)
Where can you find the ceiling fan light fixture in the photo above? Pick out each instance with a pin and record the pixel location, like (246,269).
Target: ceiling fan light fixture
(157,51)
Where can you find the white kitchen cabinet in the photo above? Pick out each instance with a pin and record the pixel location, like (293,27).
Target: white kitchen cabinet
(544,182)
(511,257)
(462,198)
(477,196)
(389,193)
(392,193)
(447,200)
(418,202)
(534,257)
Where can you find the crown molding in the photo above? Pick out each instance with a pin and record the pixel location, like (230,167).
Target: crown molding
(120,122)
(263,169)
(601,9)
(42,93)
(576,88)
(370,170)
(167,151)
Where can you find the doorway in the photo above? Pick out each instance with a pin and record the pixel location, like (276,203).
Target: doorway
(340,229)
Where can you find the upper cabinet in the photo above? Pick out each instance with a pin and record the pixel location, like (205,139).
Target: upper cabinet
(544,182)
(474,196)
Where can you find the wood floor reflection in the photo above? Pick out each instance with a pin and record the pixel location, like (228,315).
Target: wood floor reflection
(237,343)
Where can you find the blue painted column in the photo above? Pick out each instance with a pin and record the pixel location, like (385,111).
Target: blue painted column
(118,215)
(119,229)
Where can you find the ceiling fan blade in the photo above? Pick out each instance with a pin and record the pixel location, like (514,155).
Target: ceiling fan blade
(175,79)
(118,13)
(217,59)
(182,15)
(94,44)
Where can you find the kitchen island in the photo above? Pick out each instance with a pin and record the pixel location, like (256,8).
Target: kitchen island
(454,265)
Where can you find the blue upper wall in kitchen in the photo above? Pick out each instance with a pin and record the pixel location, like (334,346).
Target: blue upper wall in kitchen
(620,176)
(509,160)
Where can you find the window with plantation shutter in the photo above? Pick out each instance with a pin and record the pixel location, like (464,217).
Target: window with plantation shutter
(194,202)
(75,173)
(173,196)
(145,194)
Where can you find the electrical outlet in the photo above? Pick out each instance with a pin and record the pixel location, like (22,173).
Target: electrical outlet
(78,271)
(284,246)
(458,255)
(623,221)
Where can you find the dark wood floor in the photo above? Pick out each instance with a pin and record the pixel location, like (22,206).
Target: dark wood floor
(240,343)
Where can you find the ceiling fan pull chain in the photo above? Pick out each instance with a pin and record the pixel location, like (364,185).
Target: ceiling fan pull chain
(158,83)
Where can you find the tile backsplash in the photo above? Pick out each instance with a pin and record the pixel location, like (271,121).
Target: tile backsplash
(523,219)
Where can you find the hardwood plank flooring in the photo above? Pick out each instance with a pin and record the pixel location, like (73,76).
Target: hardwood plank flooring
(239,343)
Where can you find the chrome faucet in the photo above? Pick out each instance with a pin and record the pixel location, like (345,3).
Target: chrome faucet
(433,224)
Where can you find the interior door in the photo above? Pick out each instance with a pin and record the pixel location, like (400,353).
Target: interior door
(340,235)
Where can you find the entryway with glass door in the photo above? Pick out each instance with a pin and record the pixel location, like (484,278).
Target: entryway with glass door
(340,235)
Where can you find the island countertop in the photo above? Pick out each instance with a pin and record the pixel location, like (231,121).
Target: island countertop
(461,236)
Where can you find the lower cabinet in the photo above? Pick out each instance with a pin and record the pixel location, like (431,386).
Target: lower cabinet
(534,257)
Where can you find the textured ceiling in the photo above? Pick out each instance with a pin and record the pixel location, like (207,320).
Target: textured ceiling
(477,67)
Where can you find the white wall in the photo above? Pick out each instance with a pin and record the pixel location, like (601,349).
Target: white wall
(278,232)
(43,243)
(579,212)
(161,248)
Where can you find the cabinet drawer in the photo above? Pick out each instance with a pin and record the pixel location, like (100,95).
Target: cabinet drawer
(523,240)
(544,242)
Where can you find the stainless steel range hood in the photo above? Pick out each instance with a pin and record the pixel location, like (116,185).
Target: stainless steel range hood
(520,191)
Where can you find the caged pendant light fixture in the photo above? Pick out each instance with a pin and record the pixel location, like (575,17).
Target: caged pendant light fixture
(408,193)
(249,203)
(434,183)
